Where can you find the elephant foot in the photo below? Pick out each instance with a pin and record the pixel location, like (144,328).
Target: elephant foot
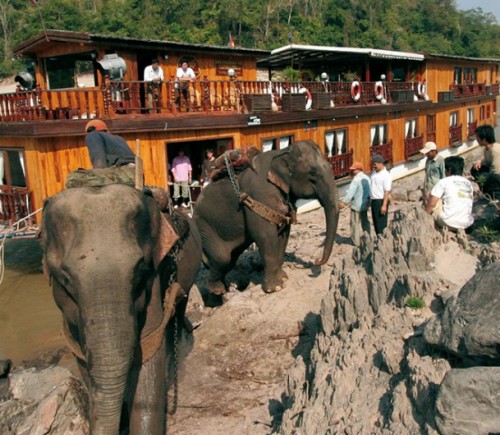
(276,283)
(216,288)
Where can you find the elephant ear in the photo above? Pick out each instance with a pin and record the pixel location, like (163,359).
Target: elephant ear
(166,239)
(280,173)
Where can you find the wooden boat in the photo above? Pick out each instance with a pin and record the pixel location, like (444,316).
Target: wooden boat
(353,102)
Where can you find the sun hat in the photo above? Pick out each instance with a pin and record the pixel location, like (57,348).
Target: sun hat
(429,146)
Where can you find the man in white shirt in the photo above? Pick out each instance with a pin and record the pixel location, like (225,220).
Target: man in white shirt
(380,192)
(451,198)
(153,76)
(184,75)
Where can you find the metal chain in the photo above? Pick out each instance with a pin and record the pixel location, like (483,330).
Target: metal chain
(232,175)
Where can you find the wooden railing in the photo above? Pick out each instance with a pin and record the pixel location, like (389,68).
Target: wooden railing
(14,205)
(413,145)
(117,98)
(384,150)
(471,129)
(455,135)
(474,90)
(341,164)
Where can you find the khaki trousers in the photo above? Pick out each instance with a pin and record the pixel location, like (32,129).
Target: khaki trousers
(359,224)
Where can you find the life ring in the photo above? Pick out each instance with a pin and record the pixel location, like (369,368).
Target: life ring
(356,90)
(379,90)
(309,101)
(421,90)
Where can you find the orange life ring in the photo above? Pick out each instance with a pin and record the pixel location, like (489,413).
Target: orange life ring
(356,90)
(309,101)
(379,90)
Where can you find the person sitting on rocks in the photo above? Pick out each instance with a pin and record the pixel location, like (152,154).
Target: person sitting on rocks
(450,203)
(434,168)
(486,172)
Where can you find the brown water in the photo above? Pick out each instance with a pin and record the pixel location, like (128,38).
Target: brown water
(30,322)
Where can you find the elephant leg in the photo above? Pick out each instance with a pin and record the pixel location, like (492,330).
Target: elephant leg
(272,246)
(149,403)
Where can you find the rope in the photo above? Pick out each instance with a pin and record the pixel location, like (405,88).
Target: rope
(232,175)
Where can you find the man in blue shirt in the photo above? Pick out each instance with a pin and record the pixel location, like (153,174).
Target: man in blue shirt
(358,196)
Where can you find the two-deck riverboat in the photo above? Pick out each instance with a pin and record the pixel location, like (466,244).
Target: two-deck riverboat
(353,102)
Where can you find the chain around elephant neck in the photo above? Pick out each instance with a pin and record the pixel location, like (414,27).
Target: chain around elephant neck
(232,175)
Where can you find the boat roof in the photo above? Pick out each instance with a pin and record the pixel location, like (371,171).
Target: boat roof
(298,53)
(40,41)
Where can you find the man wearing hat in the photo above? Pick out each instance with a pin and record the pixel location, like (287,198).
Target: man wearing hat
(434,168)
(105,149)
(358,195)
(380,192)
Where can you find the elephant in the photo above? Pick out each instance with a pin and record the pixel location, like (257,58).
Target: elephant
(262,210)
(110,255)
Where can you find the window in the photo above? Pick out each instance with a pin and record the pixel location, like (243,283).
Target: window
(411,128)
(470,75)
(336,142)
(453,119)
(470,115)
(431,128)
(378,134)
(457,75)
(12,170)
(278,143)
(481,113)
(488,111)
(69,71)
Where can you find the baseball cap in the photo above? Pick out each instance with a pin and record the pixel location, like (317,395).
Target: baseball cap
(429,146)
(356,165)
(377,159)
(97,124)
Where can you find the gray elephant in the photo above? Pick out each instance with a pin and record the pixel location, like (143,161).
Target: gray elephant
(118,266)
(257,205)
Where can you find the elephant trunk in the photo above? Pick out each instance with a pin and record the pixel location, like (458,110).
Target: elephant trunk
(110,337)
(328,197)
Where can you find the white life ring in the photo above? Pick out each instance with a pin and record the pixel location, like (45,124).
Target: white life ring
(356,90)
(309,101)
(421,90)
(379,90)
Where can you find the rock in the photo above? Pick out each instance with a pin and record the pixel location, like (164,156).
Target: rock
(5,365)
(399,194)
(44,401)
(414,195)
(468,326)
(35,384)
(468,402)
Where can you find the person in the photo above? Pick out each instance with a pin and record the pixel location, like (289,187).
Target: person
(184,75)
(153,76)
(207,167)
(105,149)
(358,195)
(450,203)
(488,169)
(181,171)
(380,191)
(434,168)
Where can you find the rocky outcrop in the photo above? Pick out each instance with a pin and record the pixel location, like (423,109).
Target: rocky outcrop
(370,370)
(43,401)
(469,325)
(468,402)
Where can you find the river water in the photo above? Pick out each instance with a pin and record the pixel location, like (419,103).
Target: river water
(30,322)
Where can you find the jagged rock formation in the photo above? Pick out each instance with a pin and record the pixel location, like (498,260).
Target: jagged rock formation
(370,370)
(469,325)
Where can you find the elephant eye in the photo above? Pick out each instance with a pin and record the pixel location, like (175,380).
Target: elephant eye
(143,274)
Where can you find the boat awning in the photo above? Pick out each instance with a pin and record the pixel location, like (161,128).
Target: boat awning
(295,53)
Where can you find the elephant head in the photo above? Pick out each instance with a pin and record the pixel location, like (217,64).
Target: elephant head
(302,172)
(102,248)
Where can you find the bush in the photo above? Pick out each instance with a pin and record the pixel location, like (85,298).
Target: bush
(487,235)
(415,302)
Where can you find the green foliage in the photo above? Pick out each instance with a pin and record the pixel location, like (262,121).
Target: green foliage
(415,302)
(487,235)
(426,25)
